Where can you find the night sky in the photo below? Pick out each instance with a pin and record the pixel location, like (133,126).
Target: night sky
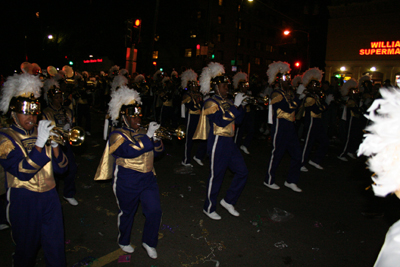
(80,28)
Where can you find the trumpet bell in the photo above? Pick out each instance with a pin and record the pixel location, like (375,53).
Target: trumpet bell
(180,132)
(51,70)
(76,136)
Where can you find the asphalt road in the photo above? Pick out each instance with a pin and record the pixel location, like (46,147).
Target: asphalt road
(324,226)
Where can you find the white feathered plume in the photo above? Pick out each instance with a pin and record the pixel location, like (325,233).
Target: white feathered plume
(312,74)
(382,142)
(165,80)
(213,70)
(277,67)
(123,72)
(239,77)
(174,74)
(118,81)
(113,69)
(156,75)
(49,83)
(139,78)
(188,75)
(300,89)
(352,83)
(19,85)
(120,97)
(363,79)
(296,80)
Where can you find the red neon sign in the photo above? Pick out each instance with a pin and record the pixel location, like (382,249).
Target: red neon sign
(382,48)
(93,60)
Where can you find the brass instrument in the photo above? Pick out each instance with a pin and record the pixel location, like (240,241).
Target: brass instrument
(52,71)
(74,136)
(257,100)
(164,133)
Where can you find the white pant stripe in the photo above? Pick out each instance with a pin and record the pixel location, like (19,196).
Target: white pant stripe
(348,137)
(212,173)
(187,130)
(115,193)
(308,137)
(273,150)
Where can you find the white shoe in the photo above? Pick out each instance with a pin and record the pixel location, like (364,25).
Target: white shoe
(294,187)
(351,155)
(71,201)
(4,226)
(316,165)
(230,208)
(152,252)
(213,215)
(304,169)
(88,133)
(127,249)
(272,186)
(244,150)
(186,164)
(198,161)
(342,158)
(266,132)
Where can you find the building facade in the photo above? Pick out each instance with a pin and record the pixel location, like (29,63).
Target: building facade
(363,39)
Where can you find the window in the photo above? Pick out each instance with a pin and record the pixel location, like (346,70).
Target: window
(257,61)
(219,19)
(269,48)
(240,25)
(188,52)
(199,14)
(257,45)
(220,37)
(220,2)
(239,41)
(239,7)
(155,54)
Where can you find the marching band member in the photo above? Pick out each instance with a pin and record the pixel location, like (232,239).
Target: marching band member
(241,84)
(217,125)
(314,105)
(351,114)
(193,102)
(129,155)
(283,129)
(62,117)
(34,209)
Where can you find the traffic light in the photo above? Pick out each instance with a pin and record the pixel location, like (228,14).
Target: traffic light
(297,64)
(71,63)
(136,29)
(137,24)
(155,63)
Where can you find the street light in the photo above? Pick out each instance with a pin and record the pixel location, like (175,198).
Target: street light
(287,32)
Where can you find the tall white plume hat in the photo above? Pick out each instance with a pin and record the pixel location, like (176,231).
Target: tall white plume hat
(350,84)
(20,94)
(214,73)
(312,74)
(240,77)
(277,68)
(188,76)
(124,101)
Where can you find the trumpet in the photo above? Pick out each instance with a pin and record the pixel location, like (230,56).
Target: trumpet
(164,133)
(74,136)
(252,100)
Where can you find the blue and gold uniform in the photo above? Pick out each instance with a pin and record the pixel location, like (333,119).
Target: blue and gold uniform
(135,181)
(61,117)
(194,104)
(219,117)
(314,107)
(34,209)
(284,137)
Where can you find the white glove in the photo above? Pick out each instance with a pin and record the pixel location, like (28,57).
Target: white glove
(53,143)
(153,126)
(66,127)
(238,99)
(44,129)
(302,96)
(329,99)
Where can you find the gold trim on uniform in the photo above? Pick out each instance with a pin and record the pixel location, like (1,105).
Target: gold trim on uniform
(142,163)
(276,98)
(280,114)
(317,116)
(195,112)
(159,148)
(228,131)
(309,101)
(6,146)
(23,170)
(64,162)
(135,145)
(186,99)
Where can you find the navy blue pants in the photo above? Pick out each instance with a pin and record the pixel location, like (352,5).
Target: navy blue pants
(354,135)
(224,154)
(191,125)
(129,191)
(70,175)
(247,127)
(284,139)
(36,220)
(315,132)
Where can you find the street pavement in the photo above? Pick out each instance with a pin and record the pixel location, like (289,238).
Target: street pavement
(322,226)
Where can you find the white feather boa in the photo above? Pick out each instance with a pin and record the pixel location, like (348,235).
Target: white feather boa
(382,142)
